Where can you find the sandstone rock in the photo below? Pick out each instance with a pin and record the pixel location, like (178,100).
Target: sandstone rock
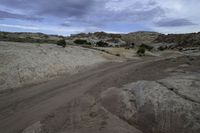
(170,105)
(35,128)
(23,63)
(85,115)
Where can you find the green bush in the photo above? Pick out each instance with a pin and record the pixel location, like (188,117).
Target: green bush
(61,43)
(141,51)
(102,44)
(81,41)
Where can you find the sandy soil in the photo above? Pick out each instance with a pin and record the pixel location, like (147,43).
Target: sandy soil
(52,106)
(132,53)
(27,63)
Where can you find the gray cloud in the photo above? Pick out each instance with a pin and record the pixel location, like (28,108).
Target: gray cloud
(58,8)
(174,23)
(99,17)
(100,14)
(65,24)
(75,8)
(84,8)
(6,15)
(147,14)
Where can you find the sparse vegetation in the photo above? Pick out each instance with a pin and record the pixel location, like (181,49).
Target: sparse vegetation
(81,41)
(183,40)
(29,37)
(102,44)
(138,38)
(149,48)
(62,43)
(117,54)
(141,51)
(162,48)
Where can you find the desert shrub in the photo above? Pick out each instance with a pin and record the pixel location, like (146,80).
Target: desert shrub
(180,49)
(102,44)
(28,38)
(89,43)
(149,48)
(4,37)
(62,43)
(171,47)
(80,41)
(102,50)
(162,48)
(141,51)
(45,36)
(117,54)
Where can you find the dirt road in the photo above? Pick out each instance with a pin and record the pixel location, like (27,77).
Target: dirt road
(23,107)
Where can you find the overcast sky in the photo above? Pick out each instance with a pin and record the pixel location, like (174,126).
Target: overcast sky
(119,16)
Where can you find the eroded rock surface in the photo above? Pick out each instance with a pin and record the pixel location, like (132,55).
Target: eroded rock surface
(170,105)
(82,115)
(162,98)
(24,63)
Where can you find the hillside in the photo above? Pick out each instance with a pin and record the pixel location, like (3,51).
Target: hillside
(27,63)
(94,38)
(111,39)
(29,37)
(140,37)
(183,40)
(118,39)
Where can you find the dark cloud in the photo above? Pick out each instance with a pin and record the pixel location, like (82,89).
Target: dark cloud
(147,14)
(6,15)
(89,10)
(100,17)
(91,13)
(71,8)
(174,23)
(58,8)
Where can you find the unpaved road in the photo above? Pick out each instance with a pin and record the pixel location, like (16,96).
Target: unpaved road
(25,106)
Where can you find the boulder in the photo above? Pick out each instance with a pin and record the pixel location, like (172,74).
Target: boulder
(170,105)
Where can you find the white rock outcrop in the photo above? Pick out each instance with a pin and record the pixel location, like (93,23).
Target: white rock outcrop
(170,105)
(23,63)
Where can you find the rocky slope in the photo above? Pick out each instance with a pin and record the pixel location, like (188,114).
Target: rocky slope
(140,37)
(166,104)
(118,39)
(170,105)
(23,63)
(143,37)
(29,37)
(129,39)
(93,38)
(183,40)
